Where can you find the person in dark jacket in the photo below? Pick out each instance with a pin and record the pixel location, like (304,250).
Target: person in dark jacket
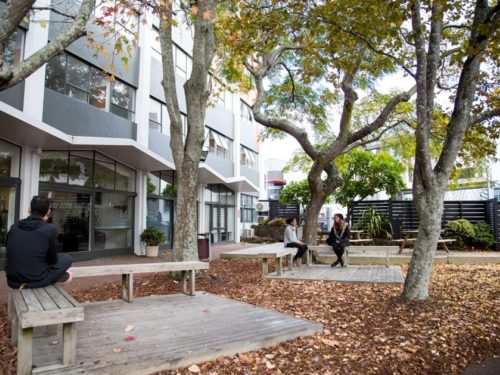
(339,238)
(32,250)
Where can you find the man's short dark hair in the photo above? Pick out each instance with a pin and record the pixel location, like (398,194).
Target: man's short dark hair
(39,205)
(290,220)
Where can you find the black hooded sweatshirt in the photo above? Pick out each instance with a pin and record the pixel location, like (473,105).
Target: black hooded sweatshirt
(32,247)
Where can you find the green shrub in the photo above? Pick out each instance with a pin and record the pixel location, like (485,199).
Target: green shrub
(461,230)
(482,235)
(277,222)
(375,224)
(152,236)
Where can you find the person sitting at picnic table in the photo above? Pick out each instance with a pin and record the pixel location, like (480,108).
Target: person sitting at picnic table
(32,250)
(291,240)
(339,238)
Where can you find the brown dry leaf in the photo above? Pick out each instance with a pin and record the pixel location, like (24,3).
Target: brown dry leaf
(331,342)
(118,349)
(270,365)
(194,368)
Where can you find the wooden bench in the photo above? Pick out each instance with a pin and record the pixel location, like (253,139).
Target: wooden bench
(361,241)
(39,307)
(412,241)
(367,249)
(127,272)
(278,255)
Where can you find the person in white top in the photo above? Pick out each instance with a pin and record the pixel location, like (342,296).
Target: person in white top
(290,240)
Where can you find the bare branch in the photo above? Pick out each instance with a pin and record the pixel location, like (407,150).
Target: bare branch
(292,99)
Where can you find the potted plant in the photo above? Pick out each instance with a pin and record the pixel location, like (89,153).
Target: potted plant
(153,237)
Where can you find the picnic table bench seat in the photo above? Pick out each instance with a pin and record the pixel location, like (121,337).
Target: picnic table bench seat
(42,307)
(408,241)
(127,272)
(285,252)
(361,241)
(365,250)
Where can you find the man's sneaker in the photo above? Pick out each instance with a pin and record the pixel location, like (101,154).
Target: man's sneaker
(66,278)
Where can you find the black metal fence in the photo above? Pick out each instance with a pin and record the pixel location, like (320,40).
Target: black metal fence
(278,210)
(403,215)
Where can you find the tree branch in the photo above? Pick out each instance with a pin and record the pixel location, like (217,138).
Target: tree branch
(361,143)
(12,76)
(484,116)
(292,99)
(11,16)
(382,117)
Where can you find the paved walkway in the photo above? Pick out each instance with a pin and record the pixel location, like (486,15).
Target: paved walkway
(350,274)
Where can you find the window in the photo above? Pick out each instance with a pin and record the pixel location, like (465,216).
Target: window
(218,144)
(158,117)
(85,168)
(246,111)
(248,211)
(75,78)
(183,62)
(122,100)
(14,47)
(248,158)
(10,159)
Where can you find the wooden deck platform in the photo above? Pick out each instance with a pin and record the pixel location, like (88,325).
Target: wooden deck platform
(350,274)
(165,332)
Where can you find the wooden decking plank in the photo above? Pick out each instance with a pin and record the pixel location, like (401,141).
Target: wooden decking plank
(207,326)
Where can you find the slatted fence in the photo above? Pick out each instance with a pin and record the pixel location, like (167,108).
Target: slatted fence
(403,214)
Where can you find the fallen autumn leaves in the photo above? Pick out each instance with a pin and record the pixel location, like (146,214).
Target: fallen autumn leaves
(368,329)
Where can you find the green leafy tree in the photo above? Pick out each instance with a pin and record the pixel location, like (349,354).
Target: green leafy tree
(297,192)
(300,66)
(365,174)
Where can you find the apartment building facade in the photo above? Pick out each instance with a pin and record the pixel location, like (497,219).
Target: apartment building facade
(99,148)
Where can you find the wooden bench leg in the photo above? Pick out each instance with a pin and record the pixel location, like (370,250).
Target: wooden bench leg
(184,281)
(193,280)
(279,266)
(309,257)
(444,246)
(24,351)
(290,262)
(128,287)
(69,344)
(10,308)
(346,256)
(265,267)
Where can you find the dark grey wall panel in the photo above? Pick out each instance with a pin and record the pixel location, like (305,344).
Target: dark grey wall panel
(76,118)
(81,49)
(220,165)
(221,120)
(14,96)
(250,174)
(248,135)
(160,144)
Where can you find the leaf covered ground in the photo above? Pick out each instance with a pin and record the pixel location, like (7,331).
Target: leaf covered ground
(367,328)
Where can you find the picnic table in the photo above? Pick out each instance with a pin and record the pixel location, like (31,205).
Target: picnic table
(356,234)
(410,237)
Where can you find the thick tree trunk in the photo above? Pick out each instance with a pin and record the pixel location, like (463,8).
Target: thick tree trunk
(430,209)
(311,218)
(185,233)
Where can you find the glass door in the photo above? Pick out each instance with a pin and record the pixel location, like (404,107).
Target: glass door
(8,210)
(221,223)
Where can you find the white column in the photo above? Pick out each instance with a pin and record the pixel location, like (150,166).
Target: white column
(36,37)
(140,211)
(144,89)
(30,175)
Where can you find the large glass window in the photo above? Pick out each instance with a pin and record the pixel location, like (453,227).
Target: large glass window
(218,144)
(77,79)
(10,159)
(113,221)
(71,217)
(158,117)
(219,212)
(248,158)
(160,204)
(13,49)
(7,214)
(248,211)
(85,168)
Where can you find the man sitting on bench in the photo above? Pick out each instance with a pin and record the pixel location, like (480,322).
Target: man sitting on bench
(32,250)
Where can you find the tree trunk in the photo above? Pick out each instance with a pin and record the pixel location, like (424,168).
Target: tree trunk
(430,210)
(311,218)
(185,233)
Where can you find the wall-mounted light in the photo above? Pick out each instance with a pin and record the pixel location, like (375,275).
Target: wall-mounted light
(204,154)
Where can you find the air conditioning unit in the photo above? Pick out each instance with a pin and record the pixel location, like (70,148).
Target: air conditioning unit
(261,219)
(248,233)
(262,206)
